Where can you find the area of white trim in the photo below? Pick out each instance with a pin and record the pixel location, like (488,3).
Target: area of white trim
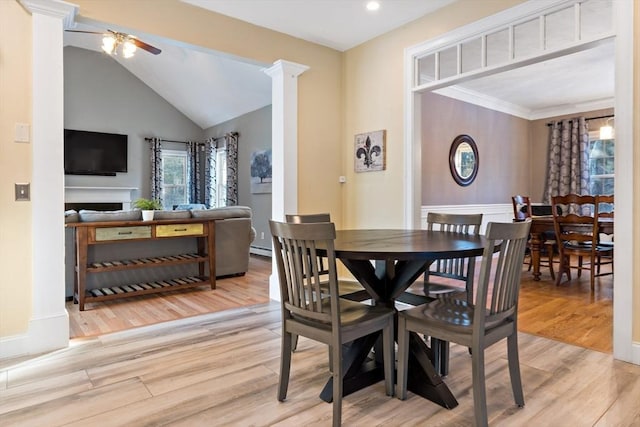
(39,338)
(495,104)
(623,346)
(284,146)
(122,195)
(626,256)
(254,250)
(48,327)
(502,212)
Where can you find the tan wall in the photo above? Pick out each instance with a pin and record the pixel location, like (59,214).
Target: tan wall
(503,152)
(340,96)
(373,100)
(636,175)
(540,145)
(15,166)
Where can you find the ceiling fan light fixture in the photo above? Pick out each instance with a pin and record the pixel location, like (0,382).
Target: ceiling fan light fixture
(128,49)
(109,44)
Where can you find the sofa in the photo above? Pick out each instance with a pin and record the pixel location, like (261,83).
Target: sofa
(234,234)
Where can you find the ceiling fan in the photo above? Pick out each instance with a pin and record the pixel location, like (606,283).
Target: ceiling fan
(113,39)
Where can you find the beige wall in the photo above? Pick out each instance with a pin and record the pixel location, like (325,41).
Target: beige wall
(373,100)
(340,96)
(540,144)
(15,166)
(503,152)
(636,162)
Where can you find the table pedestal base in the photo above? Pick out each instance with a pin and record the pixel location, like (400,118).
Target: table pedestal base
(362,371)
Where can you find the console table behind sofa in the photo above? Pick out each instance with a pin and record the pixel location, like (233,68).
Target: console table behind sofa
(182,255)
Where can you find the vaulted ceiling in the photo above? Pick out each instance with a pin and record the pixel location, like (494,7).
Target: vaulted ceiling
(211,88)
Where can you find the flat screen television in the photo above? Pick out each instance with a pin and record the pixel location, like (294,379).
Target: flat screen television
(94,153)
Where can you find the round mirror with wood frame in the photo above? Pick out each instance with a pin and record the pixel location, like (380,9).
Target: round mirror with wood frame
(463,160)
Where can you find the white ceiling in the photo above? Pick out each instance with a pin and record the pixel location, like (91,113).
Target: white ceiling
(210,88)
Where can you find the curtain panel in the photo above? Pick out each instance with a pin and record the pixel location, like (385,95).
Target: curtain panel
(568,159)
(227,145)
(157,181)
(193,172)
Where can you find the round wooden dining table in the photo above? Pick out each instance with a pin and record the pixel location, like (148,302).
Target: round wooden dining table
(386,262)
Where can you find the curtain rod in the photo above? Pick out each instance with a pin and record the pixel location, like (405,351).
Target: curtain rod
(186,142)
(590,118)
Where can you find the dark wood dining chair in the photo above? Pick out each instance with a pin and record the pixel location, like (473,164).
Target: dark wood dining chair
(319,314)
(492,317)
(578,236)
(606,208)
(522,209)
(458,269)
(348,289)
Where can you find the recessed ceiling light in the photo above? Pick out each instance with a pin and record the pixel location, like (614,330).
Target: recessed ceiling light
(373,6)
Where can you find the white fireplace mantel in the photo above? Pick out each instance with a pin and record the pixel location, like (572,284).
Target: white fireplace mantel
(122,195)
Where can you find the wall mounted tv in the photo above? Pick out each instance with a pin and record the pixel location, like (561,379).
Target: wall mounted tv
(94,153)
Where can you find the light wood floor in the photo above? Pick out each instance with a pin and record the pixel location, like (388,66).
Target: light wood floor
(221,369)
(569,313)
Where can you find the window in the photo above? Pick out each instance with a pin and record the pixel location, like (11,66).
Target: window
(174,169)
(601,164)
(221,177)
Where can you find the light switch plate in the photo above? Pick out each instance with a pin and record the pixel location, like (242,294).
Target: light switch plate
(23,192)
(22,132)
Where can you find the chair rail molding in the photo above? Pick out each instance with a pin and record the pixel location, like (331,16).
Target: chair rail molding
(490,212)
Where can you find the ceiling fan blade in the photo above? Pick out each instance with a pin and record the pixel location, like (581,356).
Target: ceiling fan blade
(145,46)
(86,32)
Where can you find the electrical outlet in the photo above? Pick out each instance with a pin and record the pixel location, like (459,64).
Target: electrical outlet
(262,235)
(22,192)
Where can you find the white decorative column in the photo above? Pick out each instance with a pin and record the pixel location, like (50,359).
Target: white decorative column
(49,324)
(284,146)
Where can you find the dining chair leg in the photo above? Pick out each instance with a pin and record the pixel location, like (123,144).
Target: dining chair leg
(403,358)
(388,346)
(285,365)
(479,392)
(550,253)
(337,384)
(294,342)
(514,368)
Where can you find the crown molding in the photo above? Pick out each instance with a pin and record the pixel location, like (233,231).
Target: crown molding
(53,8)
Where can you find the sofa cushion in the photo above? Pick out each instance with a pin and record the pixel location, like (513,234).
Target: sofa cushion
(97,216)
(223,213)
(182,214)
(71,216)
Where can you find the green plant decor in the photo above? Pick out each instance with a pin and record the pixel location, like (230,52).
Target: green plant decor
(147,204)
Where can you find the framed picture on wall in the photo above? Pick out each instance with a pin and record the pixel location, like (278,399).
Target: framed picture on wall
(261,176)
(370,152)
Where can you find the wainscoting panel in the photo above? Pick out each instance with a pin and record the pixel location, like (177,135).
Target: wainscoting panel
(490,213)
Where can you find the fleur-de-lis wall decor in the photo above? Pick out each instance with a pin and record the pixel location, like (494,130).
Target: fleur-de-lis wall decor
(370,151)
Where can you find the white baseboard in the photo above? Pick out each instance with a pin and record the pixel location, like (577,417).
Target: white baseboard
(39,338)
(260,251)
(635,353)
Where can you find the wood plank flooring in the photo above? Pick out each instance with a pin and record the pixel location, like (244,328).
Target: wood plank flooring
(117,315)
(221,369)
(569,313)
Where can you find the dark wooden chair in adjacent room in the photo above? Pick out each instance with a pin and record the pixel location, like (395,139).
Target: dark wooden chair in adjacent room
(523,209)
(577,234)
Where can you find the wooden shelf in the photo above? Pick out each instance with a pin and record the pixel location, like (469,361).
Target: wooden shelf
(100,233)
(132,290)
